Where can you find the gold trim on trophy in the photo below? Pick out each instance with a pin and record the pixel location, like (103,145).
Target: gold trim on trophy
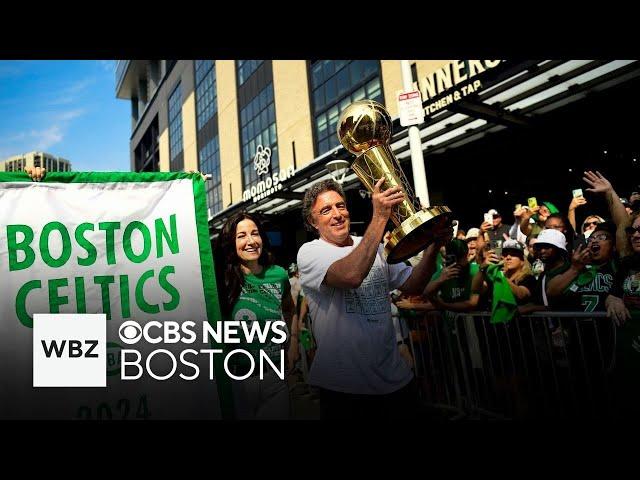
(364,129)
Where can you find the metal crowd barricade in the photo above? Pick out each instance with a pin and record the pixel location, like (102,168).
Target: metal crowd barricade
(542,365)
(434,365)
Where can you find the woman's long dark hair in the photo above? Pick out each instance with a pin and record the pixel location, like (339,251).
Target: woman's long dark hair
(230,276)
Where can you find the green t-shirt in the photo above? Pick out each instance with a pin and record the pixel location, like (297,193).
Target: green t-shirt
(261,300)
(590,289)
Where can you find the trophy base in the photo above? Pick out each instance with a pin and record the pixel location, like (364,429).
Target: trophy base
(416,233)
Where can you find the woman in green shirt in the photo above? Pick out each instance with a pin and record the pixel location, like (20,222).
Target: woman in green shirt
(256,290)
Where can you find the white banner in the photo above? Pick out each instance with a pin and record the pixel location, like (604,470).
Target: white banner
(95,243)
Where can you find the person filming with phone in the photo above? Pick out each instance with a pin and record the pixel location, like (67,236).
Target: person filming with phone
(450,288)
(505,269)
(494,232)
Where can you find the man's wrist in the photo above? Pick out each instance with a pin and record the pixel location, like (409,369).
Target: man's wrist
(379,217)
(575,269)
(377,225)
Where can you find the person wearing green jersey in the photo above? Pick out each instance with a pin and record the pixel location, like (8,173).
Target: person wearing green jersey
(450,287)
(585,286)
(256,290)
(588,280)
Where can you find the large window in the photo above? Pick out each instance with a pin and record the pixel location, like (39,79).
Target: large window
(258,127)
(206,104)
(207,126)
(175,130)
(146,154)
(246,68)
(210,163)
(256,109)
(335,84)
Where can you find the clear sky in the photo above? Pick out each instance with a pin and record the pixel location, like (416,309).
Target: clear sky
(67,108)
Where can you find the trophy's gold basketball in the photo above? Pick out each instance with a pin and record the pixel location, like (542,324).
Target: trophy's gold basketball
(364,129)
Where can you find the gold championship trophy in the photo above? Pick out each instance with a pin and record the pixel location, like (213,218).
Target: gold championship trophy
(364,129)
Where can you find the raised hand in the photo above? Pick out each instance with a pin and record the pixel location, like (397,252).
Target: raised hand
(203,175)
(452,271)
(36,173)
(525,213)
(518,212)
(443,236)
(384,201)
(598,183)
(577,202)
(490,258)
(581,258)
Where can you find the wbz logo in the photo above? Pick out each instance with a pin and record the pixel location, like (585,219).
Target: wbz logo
(74,349)
(69,350)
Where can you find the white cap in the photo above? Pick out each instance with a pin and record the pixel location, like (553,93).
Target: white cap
(472,233)
(512,244)
(493,211)
(553,237)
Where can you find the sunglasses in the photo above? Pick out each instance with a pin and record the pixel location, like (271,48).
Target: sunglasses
(601,237)
(632,230)
(512,252)
(588,224)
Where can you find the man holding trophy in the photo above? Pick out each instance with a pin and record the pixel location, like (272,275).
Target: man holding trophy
(347,279)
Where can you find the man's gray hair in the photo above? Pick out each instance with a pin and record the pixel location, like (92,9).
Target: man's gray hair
(312,194)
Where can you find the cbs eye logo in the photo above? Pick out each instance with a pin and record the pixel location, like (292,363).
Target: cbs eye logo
(130,332)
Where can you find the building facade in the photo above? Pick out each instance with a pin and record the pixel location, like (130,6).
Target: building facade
(265,129)
(35,159)
(289,108)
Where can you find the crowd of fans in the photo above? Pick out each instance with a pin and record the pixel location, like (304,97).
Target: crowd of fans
(548,261)
(544,261)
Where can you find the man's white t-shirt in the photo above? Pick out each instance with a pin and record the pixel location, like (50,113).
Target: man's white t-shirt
(357,349)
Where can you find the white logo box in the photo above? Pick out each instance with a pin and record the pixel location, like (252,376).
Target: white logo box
(67,366)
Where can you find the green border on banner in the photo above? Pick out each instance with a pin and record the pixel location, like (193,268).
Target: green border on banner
(211,292)
(99,177)
(206,255)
